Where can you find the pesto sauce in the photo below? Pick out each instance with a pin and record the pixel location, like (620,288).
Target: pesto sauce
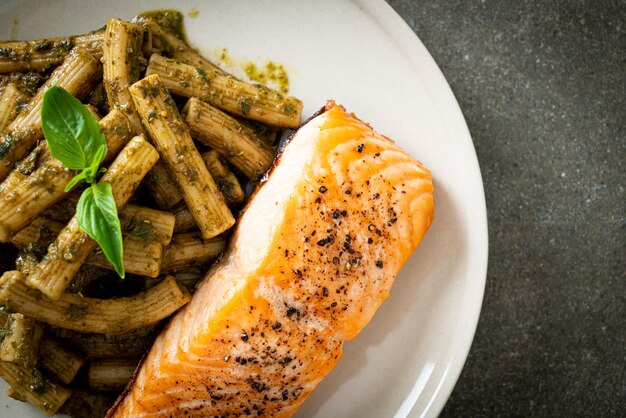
(271,73)
(144,232)
(193,13)
(170,19)
(39,384)
(74,311)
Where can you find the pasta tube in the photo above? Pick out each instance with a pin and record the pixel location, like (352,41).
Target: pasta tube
(253,101)
(34,387)
(21,340)
(171,137)
(237,143)
(84,314)
(131,345)
(43,54)
(111,374)
(87,404)
(58,360)
(138,222)
(141,257)
(123,61)
(224,178)
(184,219)
(162,186)
(147,224)
(189,249)
(11,102)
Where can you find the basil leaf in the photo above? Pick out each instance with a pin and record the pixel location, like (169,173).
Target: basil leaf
(95,164)
(73,134)
(97,216)
(74,181)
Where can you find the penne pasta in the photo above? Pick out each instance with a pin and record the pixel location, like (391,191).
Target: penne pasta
(11,393)
(253,101)
(84,314)
(72,247)
(189,249)
(20,341)
(130,345)
(268,134)
(93,111)
(78,74)
(146,224)
(37,235)
(98,99)
(34,387)
(122,65)
(141,257)
(184,219)
(11,102)
(169,133)
(61,362)
(23,197)
(87,404)
(235,142)
(162,186)
(224,178)
(111,374)
(43,54)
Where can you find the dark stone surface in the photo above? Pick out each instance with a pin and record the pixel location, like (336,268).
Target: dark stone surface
(542,86)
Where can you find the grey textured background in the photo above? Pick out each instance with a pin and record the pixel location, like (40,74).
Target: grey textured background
(542,87)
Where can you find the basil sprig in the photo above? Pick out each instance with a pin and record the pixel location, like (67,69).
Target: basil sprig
(75,138)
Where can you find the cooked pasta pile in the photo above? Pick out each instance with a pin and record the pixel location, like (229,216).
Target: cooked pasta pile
(182,136)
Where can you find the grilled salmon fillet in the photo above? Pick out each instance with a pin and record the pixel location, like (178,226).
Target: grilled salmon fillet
(315,254)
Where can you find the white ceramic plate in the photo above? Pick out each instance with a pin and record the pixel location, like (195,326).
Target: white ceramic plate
(360,53)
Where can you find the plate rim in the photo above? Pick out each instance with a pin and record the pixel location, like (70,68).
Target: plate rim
(408,41)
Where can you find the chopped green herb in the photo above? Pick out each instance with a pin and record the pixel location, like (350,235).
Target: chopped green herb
(244,104)
(75,311)
(39,384)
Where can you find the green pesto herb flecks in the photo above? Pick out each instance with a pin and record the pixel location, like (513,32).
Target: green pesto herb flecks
(75,138)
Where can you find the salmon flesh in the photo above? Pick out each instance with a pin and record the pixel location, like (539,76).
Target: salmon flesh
(314,255)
